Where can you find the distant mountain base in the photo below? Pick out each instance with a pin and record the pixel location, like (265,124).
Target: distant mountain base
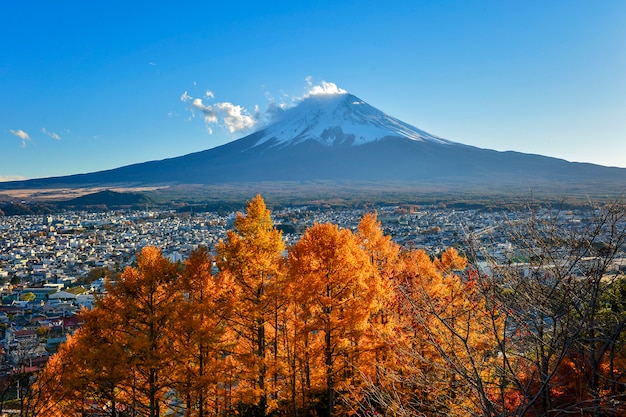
(355,193)
(232,196)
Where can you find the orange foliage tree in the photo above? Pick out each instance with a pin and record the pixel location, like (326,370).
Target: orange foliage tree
(385,257)
(140,309)
(442,349)
(251,256)
(57,389)
(336,294)
(201,337)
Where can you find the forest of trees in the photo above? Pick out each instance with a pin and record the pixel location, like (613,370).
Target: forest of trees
(349,323)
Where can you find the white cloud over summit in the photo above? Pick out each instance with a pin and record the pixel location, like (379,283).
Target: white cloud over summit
(325,88)
(236,118)
(276,108)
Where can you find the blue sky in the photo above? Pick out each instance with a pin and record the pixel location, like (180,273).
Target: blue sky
(86,86)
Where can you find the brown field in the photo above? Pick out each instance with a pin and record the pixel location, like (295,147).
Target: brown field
(61,194)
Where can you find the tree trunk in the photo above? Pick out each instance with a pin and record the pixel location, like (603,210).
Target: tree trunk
(329,372)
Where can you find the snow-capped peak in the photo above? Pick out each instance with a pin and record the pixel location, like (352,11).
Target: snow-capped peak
(332,116)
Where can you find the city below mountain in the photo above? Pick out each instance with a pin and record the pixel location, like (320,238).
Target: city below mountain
(341,138)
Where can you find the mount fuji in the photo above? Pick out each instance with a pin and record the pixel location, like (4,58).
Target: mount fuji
(339,137)
(338,119)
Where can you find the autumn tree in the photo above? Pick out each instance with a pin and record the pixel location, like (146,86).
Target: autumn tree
(29,296)
(251,256)
(385,256)
(200,340)
(48,395)
(383,252)
(120,357)
(88,371)
(140,308)
(157,336)
(332,279)
(442,354)
(98,362)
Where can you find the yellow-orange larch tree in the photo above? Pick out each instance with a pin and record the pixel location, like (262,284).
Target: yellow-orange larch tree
(444,350)
(330,273)
(385,257)
(141,308)
(251,256)
(200,336)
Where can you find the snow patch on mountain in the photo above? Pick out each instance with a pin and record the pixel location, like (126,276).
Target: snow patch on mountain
(337,118)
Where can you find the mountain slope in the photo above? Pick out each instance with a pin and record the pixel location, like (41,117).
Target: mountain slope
(340,137)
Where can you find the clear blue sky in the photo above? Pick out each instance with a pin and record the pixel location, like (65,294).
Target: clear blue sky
(86,86)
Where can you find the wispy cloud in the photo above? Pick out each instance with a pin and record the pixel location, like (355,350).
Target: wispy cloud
(51,134)
(230,116)
(210,115)
(185,97)
(22,135)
